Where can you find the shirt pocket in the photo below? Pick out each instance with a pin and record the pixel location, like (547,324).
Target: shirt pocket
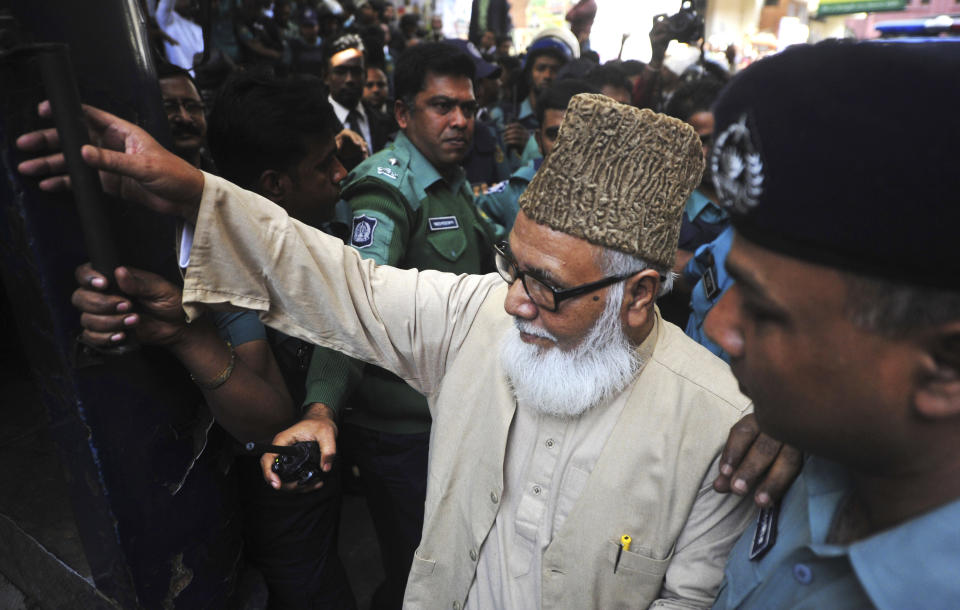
(450,244)
(638,576)
(637,561)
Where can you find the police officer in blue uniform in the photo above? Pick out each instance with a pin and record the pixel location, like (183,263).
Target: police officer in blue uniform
(843,325)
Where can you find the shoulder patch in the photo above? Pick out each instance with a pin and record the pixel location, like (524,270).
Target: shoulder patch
(389,173)
(498,187)
(363,228)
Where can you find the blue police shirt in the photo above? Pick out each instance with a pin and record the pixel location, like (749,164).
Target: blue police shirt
(702,221)
(709,259)
(913,565)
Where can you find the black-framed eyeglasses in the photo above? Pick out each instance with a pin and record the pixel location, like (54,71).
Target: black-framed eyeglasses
(539,290)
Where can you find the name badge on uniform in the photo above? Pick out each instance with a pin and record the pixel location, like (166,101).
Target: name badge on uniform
(443,223)
(386,171)
(710,285)
(765,536)
(363,227)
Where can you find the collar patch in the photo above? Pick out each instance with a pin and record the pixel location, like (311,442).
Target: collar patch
(498,187)
(765,536)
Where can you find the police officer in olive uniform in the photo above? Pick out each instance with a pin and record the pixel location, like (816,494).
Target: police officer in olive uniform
(412,208)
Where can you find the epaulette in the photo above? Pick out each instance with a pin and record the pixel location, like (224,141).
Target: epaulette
(388,168)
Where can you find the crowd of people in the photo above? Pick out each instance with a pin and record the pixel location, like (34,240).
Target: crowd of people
(467,275)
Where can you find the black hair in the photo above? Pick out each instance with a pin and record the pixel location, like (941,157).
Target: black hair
(892,308)
(693,97)
(608,76)
(509,63)
(166,69)
(590,55)
(557,95)
(341,43)
(548,50)
(409,20)
(576,69)
(416,62)
(260,121)
(373,40)
(632,67)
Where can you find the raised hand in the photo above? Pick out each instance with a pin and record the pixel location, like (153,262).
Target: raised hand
(133,166)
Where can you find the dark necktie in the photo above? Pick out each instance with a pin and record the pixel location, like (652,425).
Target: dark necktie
(353,121)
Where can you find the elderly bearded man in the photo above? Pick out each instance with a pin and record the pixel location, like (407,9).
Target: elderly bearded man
(574,419)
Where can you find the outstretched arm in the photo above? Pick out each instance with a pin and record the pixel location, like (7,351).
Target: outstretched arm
(251,401)
(133,166)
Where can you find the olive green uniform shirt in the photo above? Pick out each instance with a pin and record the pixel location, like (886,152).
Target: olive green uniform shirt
(407,215)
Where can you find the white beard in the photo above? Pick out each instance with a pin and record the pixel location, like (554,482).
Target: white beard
(565,384)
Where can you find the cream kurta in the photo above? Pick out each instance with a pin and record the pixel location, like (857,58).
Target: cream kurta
(441,333)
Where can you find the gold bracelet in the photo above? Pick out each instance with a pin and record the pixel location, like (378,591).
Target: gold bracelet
(222,377)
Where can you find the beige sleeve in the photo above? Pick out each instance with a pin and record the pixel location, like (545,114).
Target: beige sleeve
(248,254)
(713,527)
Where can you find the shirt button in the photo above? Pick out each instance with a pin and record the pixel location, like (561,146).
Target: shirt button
(494,497)
(536,490)
(456,605)
(473,555)
(802,573)
(550,443)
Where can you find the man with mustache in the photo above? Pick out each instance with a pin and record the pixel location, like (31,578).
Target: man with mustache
(185,113)
(412,208)
(277,137)
(573,420)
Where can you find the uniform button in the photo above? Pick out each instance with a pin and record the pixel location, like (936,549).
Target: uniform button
(473,555)
(802,573)
(456,605)
(494,497)
(536,490)
(550,443)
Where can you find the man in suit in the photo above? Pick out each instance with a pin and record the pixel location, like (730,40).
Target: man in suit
(345,74)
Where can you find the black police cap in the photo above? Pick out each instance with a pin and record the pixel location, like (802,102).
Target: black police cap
(847,155)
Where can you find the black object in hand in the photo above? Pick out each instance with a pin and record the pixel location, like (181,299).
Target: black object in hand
(298,463)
